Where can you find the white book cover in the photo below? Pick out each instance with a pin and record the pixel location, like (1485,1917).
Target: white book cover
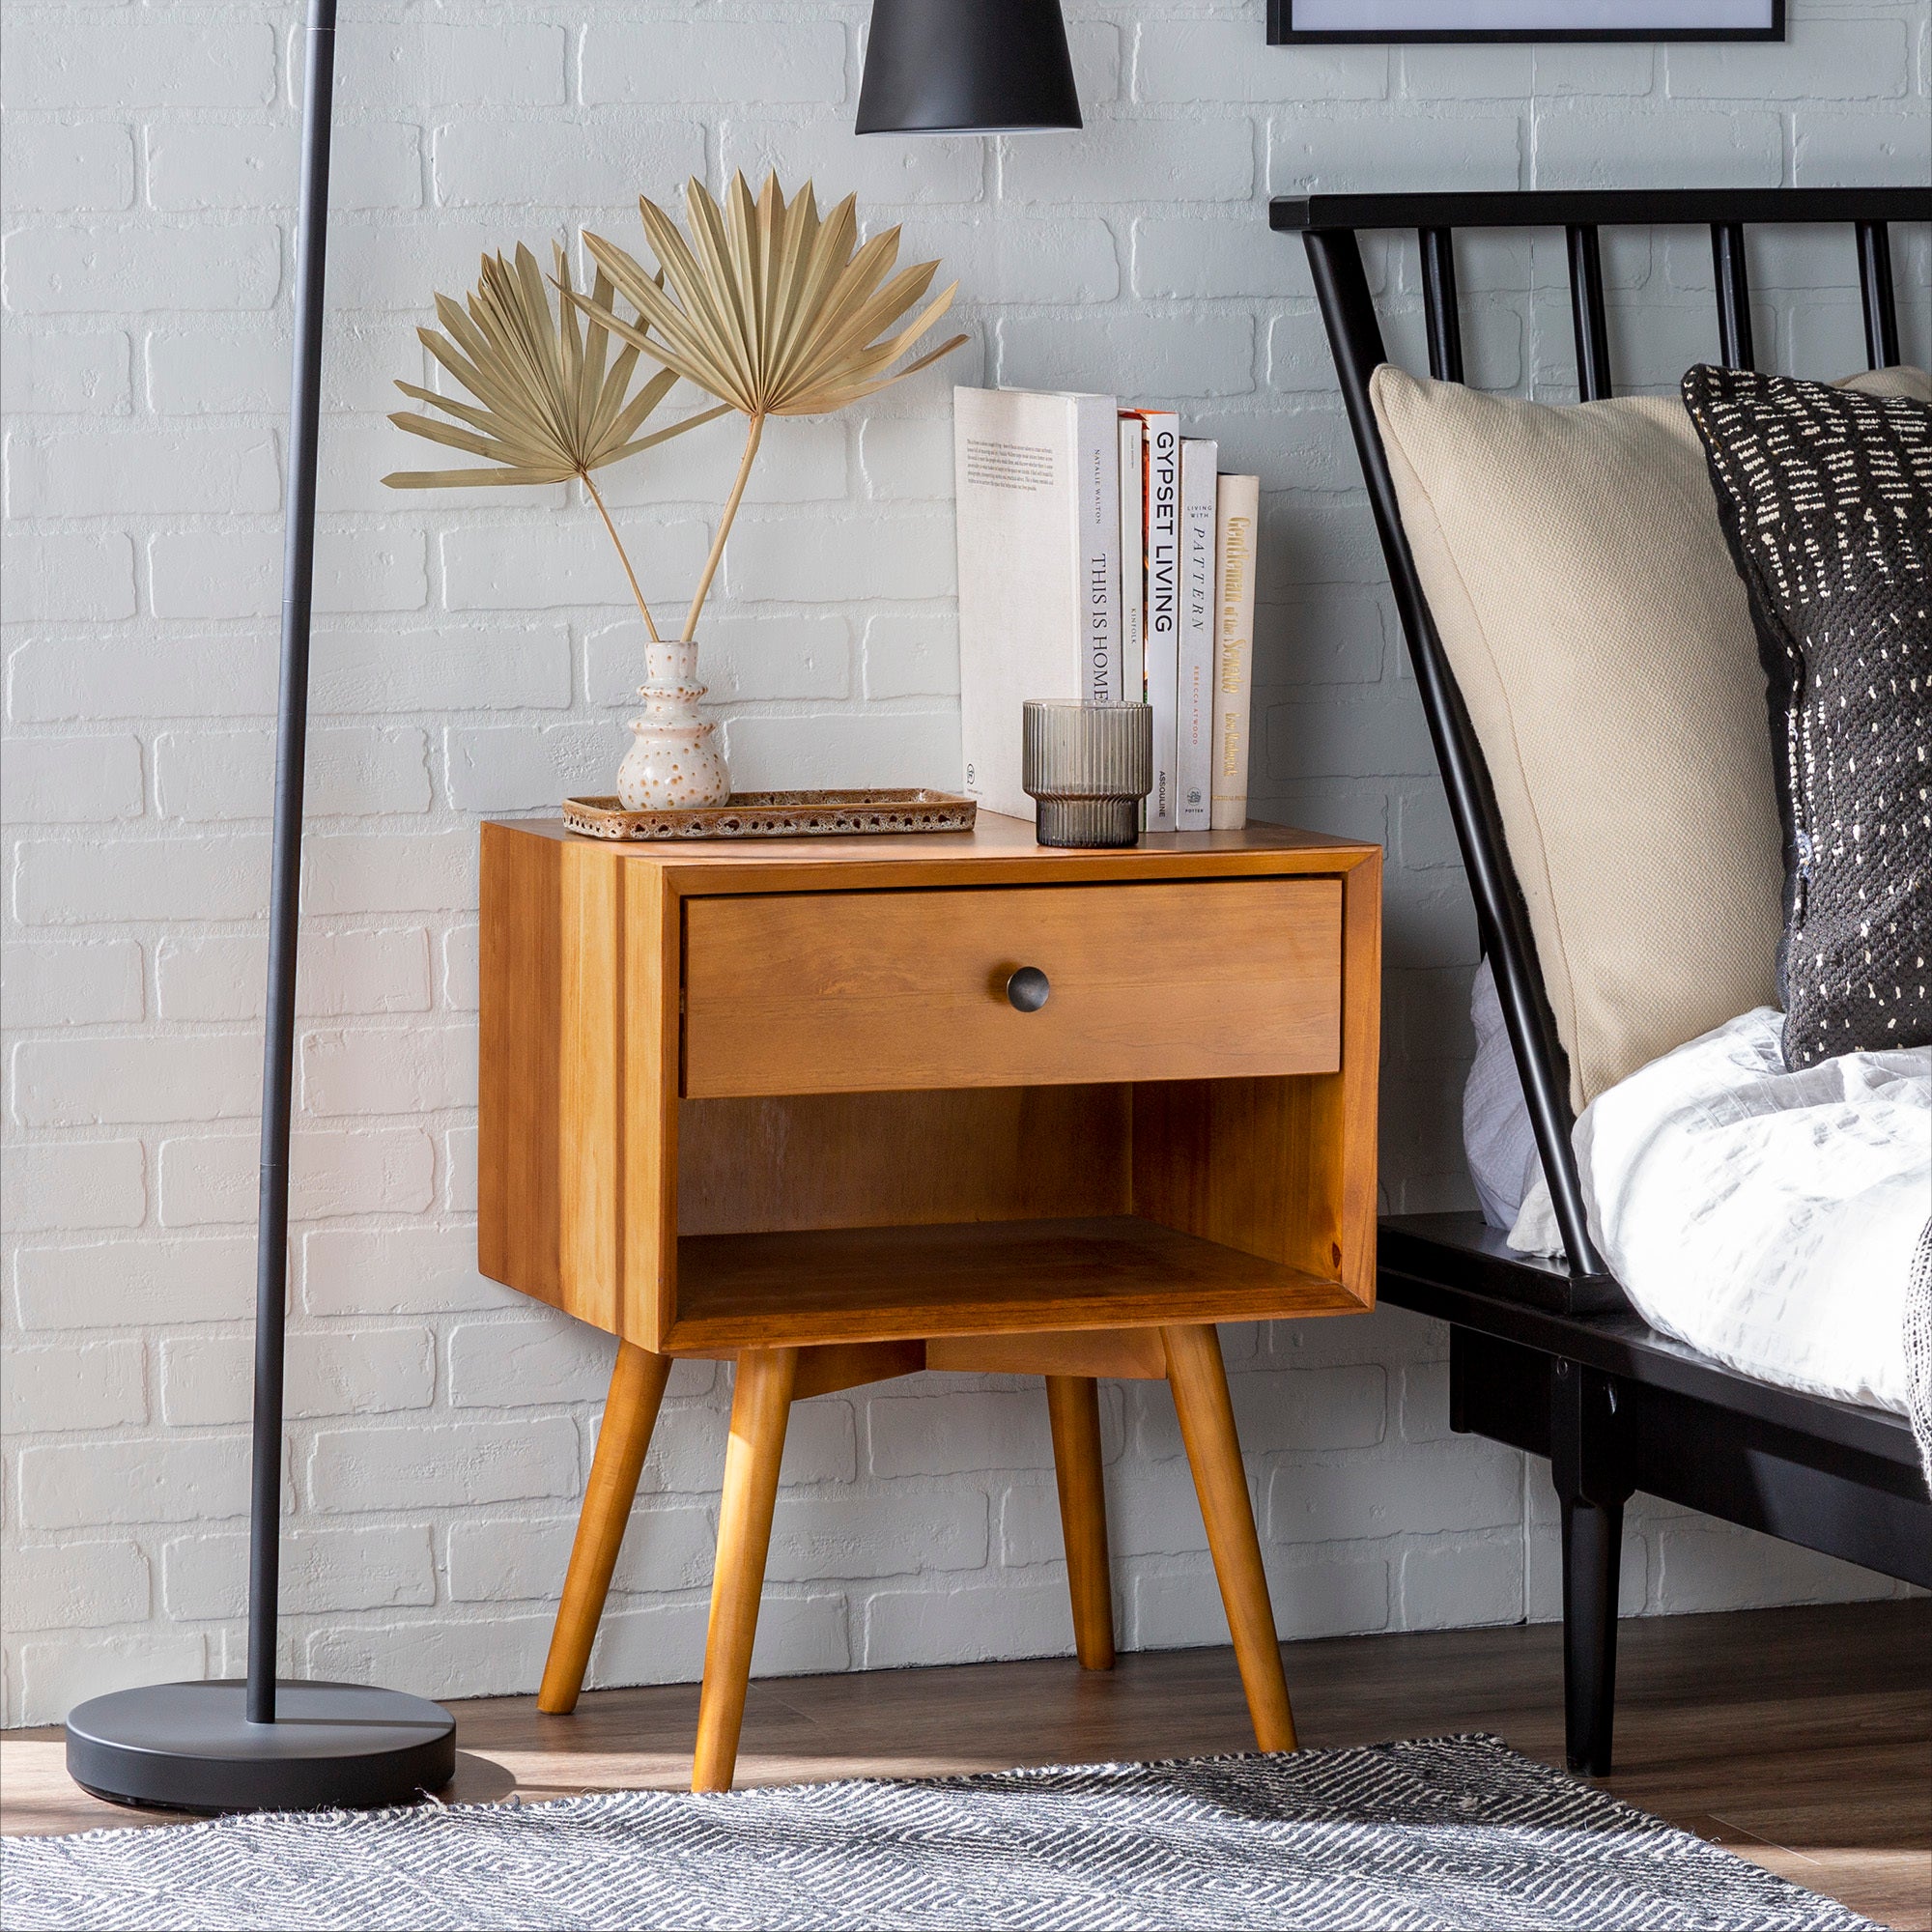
(1163,604)
(1237,519)
(1194,700)
(1133,558)
(1037,481)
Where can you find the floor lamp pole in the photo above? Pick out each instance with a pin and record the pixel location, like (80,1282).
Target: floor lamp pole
(278,1047)
(259,1745)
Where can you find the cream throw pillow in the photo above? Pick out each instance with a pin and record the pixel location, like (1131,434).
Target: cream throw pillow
(1579,578)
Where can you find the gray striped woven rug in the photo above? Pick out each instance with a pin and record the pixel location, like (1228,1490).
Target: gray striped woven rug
(1458,1834)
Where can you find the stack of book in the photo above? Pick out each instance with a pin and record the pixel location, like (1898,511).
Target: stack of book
(1103,560)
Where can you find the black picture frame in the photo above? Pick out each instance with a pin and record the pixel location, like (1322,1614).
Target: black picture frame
(1282,31)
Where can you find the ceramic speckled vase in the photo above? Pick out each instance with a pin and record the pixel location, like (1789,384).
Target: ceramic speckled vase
(673,760)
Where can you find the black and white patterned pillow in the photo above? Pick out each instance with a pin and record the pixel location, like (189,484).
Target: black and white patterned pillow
(1826,497)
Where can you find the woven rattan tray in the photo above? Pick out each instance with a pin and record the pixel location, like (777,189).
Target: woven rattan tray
(777,815)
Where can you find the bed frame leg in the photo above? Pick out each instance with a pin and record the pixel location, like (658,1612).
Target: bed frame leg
(1592,1537)
(1587,1466)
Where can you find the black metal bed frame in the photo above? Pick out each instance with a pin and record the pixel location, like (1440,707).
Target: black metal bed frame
(1550,1357)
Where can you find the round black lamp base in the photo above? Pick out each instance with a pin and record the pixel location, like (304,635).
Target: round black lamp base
(190,1748)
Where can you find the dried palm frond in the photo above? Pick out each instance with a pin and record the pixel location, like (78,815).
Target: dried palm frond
(770,309)
(549,407)
(767,308)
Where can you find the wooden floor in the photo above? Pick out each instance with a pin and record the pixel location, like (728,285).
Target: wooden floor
(1802,1738)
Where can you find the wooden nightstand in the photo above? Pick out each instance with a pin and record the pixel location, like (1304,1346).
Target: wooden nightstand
(784,1102)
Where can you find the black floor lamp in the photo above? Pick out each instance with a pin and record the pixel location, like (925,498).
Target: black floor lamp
(257,1743)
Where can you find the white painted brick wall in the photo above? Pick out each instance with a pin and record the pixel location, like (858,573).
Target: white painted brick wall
(474,655)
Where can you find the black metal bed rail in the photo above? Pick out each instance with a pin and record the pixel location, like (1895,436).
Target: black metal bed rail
(1604,206)
(1330,225)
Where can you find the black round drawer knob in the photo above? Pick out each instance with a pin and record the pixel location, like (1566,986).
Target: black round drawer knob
(1028,989)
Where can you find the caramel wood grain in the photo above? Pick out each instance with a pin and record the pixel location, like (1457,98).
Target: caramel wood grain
(653,955)
(1200,1383)
(1127,1354)
(574,1171)
(880,1284)
(595,1003)
(623,1438)
(844,1365)
(1283,1168)
(1229,1160)
(821,992)
(860,1160)
(998,851)
(1074,1411)
(519,997)
(760,1407)
(1342,1134)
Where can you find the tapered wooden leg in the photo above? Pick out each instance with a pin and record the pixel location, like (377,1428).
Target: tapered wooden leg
(1074,1407)
(760,1406)
(630,1415)
(1200,1384)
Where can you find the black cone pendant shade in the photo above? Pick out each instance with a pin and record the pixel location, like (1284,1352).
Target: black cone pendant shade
(967,66)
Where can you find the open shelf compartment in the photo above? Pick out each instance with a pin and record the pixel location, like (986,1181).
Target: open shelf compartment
(955,1212)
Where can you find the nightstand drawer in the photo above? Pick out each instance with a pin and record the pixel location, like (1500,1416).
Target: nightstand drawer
(851,992)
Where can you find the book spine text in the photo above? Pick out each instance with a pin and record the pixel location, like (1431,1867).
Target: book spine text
(1097,481)
(1194,701)
(1133,560)
(1163,605)
(1237,514)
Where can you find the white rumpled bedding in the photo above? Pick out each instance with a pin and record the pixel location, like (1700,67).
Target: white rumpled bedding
(1768,1218)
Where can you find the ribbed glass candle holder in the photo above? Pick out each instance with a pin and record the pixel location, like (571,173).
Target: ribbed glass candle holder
(1086,767)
